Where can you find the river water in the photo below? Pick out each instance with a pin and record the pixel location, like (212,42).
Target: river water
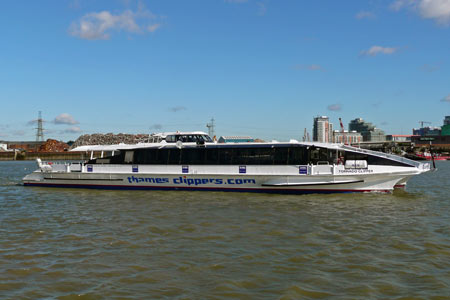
(88,244)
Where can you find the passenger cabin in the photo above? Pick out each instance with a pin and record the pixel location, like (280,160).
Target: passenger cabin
(242,154)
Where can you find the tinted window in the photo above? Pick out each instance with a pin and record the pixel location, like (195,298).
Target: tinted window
(170,139)
(355,156)
(374,160)
(174,156)
(193,156)
(212,156)
(162,156)
(297,156)
(260,156)
(219,155)
(225,156)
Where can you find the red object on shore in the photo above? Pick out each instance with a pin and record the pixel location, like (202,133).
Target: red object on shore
(435,156)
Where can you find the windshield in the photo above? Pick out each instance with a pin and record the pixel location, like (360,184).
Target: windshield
(188,138)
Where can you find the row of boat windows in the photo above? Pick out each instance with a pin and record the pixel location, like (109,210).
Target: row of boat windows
(220,156)
(243,156)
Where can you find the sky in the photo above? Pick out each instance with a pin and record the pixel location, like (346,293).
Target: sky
(263,68)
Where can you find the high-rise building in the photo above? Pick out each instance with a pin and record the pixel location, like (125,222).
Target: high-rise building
(447,120)
(322,130)
(445,129)
(368,131)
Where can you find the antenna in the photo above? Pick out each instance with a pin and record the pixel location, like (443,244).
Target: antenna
(39,129)
(210,126)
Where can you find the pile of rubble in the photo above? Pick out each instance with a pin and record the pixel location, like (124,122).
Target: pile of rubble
(109,139)
(53,146)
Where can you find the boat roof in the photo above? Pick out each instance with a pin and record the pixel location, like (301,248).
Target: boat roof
(115,147)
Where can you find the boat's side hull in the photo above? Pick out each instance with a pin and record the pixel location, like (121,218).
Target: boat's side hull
(233,183)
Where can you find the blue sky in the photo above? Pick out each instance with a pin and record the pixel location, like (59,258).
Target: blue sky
(263,68)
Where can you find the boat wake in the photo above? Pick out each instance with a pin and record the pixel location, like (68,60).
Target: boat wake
(11,183)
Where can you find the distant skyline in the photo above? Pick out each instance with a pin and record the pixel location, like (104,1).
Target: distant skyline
(262,68)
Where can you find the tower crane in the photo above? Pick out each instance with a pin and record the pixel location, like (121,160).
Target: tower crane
(343,132)
(423,122)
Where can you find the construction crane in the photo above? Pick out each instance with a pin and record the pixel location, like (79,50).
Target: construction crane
(343,131)
(423,122)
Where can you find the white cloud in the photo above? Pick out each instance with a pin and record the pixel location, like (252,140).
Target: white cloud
(32,122)
(18,132)
(365,15)
(73,129)
(154,27)
(75,4)
(177,108)
(438,10)
(100,25)
(156,127)
(65,118)
(399,4)
(235,1)
(446,99)
(312,67)
(334,107)
(375,50)
(429,68)
(262,8)
(377,104)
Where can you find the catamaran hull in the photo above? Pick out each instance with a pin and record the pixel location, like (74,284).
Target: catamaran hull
(281,184)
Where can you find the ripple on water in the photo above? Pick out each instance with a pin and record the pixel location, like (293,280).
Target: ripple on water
(298,292)
(86,244)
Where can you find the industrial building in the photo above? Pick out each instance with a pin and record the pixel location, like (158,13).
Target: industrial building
(29,146)
(438,137)
(431,131)
(398,138)
(368,131)
(346,137)
(445,129)
(235,139)
(427,131)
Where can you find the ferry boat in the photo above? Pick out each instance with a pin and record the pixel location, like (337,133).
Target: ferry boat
(434,156)
(192,161)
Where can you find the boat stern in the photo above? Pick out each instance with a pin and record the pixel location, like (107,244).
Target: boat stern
(33,178)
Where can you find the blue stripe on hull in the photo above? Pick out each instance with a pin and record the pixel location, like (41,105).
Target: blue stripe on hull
(156,188)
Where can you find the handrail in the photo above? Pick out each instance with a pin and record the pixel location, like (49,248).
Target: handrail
(384,155)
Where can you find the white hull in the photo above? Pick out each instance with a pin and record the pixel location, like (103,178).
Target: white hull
(266,179)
